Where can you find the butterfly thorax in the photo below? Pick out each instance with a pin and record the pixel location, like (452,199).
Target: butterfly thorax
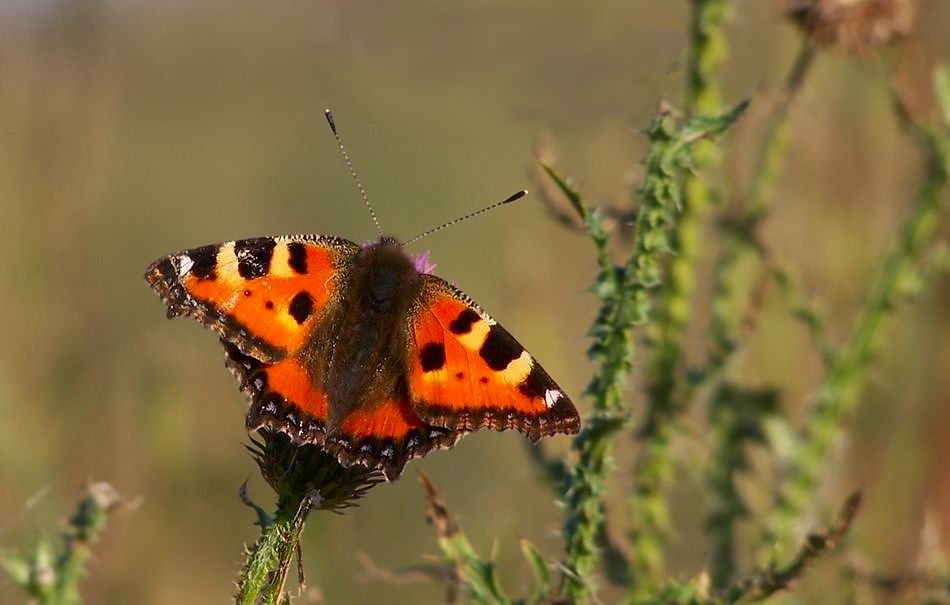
(358,353)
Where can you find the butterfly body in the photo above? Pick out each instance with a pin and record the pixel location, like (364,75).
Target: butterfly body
(359,349)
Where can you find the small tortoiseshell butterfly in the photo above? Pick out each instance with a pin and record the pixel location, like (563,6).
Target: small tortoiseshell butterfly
(358,349)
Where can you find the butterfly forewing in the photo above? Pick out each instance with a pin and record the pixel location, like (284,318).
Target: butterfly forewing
(468,372)
(261,294)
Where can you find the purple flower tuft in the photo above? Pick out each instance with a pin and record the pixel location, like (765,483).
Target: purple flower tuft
(423,263)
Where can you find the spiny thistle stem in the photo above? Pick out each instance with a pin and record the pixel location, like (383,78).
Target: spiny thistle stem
(841,386)
(265,572)
(625,303)
(305,478)
(706,52)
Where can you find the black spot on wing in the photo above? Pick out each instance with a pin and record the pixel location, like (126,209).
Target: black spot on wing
(254,256)
(298,257)
(205,261)
(499,348)
(432,356)
(536,383)
(464,322)
(301,307)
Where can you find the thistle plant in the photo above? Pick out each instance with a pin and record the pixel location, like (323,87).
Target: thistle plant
(304,478)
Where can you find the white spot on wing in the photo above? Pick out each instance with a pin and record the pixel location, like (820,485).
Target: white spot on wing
(185,263)
(551,397)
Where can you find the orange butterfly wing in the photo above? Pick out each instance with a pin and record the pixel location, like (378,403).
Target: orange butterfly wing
(467,372)
(261,294)
(283,399)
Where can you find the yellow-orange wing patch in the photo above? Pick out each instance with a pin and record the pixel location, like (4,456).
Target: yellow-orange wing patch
(260,294)
(467,372)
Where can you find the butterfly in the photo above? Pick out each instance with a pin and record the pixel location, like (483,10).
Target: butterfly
(359,349)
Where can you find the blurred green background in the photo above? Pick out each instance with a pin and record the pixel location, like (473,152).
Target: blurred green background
(131,129)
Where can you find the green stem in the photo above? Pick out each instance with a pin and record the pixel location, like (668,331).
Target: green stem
(766,583)
(268,563)
(707,50)
(775,144)
(477,577)
(736,420)
(626,303)
(728,311)
(838,393)
(739,236)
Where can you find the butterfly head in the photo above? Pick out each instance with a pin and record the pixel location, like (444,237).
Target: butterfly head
(422,261)
(390,273)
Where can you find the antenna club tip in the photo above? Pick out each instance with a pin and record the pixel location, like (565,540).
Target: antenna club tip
(516,196)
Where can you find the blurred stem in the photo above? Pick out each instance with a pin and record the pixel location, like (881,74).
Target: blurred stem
(736,420)
(50,581)
(265,573)
(706,52)
(775,144)
(739,233)
(477,577)
(766,583)
(728,310)
(838,393)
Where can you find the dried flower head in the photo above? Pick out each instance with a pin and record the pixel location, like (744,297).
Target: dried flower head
(306,470)
(854,26)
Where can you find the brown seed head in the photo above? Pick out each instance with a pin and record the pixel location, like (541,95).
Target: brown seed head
(853,26)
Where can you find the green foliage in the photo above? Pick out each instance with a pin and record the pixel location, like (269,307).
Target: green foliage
(53,579)
(847,365)
(625,303)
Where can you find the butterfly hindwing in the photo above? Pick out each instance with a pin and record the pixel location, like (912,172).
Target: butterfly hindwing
(388,435)
(467,372)
(260,294)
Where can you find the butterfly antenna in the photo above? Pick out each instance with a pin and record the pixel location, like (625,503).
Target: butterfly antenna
(349,165)
(513,197)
